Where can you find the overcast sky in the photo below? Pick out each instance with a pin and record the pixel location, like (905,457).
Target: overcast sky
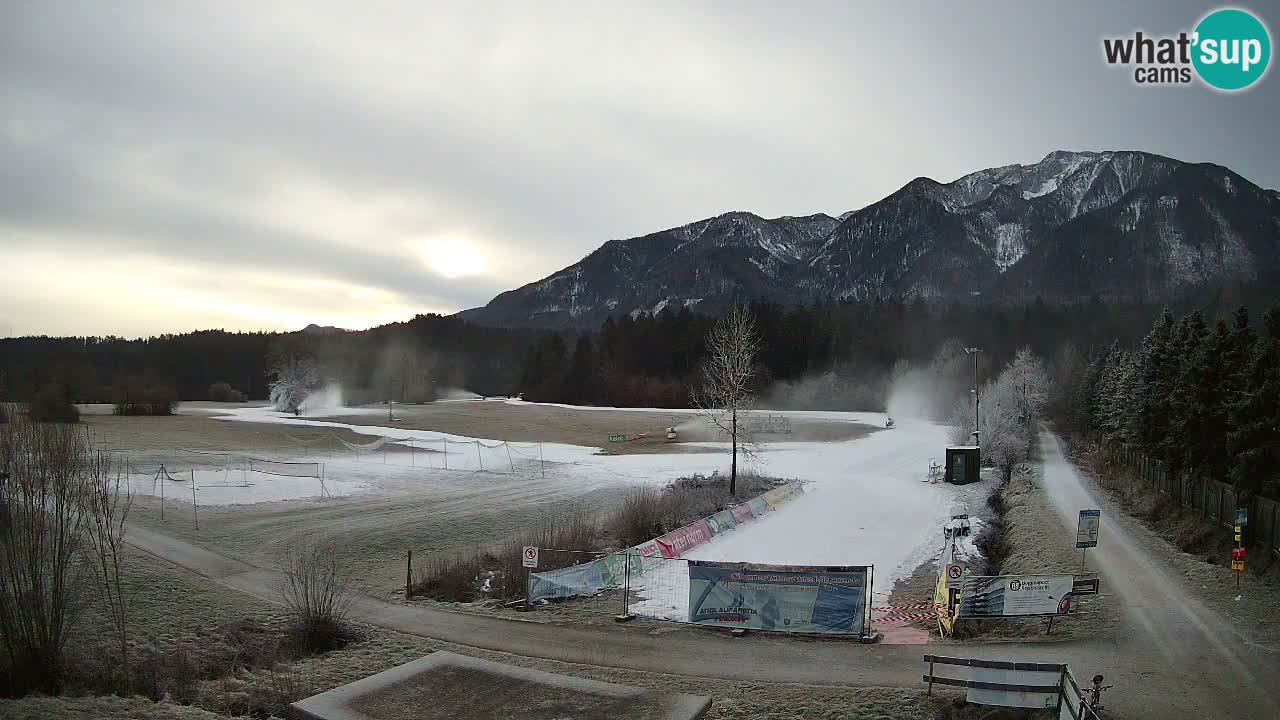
(269,165)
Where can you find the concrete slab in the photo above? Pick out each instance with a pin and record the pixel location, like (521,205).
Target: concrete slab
(446,685)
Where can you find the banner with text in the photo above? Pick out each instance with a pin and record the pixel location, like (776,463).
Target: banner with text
(1015,595)
(824,600)
(592,577)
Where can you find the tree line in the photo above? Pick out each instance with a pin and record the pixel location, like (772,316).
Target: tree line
(425,352)
(1202,397)
(826,356)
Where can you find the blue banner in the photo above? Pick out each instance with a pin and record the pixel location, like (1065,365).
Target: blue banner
(820,600)
(584,579)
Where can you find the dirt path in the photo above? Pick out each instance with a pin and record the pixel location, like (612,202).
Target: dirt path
(1199,661)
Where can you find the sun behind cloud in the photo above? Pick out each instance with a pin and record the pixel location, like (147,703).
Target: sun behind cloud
(453,258)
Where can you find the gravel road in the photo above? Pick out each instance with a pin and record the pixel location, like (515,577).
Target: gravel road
(1204,665)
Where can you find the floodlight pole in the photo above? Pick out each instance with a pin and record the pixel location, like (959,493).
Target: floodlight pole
(974,352)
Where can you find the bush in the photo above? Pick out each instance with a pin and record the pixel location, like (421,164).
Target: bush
(316,591)
(42,532)
(223,392)
(647,512)
(499,572)
(993,541)
(50,404)
(132,397)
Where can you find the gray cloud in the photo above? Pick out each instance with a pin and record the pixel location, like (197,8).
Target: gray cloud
(292,139)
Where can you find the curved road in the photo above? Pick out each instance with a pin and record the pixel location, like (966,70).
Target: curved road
(1179,661)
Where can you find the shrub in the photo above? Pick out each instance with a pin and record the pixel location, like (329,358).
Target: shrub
(223,392)
(499,572)
(646,512)
(132,397)
(42,532)
(316,591)
(50,404)
(993,541)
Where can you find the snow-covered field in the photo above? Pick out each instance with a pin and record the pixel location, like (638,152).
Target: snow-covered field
(866,501)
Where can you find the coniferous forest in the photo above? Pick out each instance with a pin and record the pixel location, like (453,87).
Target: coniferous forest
(1200,395)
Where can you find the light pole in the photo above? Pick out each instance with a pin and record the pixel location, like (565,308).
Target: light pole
(974,352)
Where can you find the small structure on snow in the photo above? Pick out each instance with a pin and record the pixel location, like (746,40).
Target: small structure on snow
(963,464)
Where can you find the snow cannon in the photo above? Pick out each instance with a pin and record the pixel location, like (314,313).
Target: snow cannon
(671,434)
(888,423)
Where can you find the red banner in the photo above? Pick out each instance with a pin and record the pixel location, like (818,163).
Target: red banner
(742,513)
(679,541)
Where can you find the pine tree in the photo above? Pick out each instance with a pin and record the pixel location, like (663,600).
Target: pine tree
(1254,440)
(1191,336)
(1156,382)
(1205,419)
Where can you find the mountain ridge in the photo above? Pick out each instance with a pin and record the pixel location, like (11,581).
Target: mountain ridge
(1118,224)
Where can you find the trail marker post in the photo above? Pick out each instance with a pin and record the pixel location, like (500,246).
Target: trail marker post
(1238,552)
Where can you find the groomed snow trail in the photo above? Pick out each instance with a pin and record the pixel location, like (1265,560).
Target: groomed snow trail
(865,503)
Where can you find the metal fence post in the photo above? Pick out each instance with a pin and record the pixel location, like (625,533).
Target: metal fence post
(626,587)
(408,577)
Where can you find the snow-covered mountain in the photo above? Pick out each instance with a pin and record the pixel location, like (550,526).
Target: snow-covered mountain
(1120,225)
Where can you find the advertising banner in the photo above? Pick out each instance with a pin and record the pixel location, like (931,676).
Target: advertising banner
(681,540)
(721,522)
(742,513)
(583,579)
(779,496)
(1015,595)
(609,571)
(822,600)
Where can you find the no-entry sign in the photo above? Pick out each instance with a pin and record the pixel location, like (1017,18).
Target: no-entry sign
(530,556)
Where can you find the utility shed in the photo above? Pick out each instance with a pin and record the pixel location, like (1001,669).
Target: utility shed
(444,685)
(963,464)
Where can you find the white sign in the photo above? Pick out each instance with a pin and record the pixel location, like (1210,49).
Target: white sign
(1015,595)
(954,573)
(1004,697)
(1087,530)
(530,556)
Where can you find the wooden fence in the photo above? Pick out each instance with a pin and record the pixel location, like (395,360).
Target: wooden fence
(1214,500)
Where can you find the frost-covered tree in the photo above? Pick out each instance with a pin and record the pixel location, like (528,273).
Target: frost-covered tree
(1006,438)
(1029,382)
(1012,404)
(728,373)
(293,376)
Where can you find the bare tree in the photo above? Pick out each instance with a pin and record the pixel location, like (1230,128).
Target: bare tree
(316,590)
(726,395)
(110,498)
(43,516)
